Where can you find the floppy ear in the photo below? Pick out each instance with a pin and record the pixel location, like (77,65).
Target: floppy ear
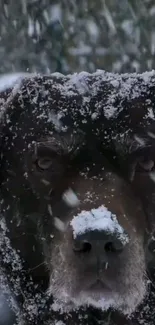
(9,86)
(141,166)
(137,161)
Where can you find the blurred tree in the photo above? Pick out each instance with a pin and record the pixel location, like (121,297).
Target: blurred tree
(75,35)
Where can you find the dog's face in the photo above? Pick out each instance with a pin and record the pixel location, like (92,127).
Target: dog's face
(98,267)
(91,221)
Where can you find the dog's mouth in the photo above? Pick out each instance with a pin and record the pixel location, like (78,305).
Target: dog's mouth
(99,286)
(96,294)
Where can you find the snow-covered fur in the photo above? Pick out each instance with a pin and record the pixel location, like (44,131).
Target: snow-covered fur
(76,149)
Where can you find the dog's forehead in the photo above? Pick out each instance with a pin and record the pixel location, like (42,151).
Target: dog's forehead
(42,104)
(57,103)
(34,122)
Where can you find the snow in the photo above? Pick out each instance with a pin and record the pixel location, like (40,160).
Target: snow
(123,87)
(55,13)
(152,11)
(59,224)
(127,26)
(9,80)
(3,309)
(153,43)
(70,198)
(55,118)
(150,113)
(97,219)
(12,81)
(93,29)
(9,255)
(109,18)
(80,50)
(30,27)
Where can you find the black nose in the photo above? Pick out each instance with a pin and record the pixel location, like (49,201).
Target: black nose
(99,242)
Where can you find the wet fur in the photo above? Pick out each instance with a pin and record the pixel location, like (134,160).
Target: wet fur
(56,112)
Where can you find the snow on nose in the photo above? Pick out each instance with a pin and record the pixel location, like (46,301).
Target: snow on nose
(100,219)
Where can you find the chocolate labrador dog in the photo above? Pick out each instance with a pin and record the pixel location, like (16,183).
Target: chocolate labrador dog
(77,197)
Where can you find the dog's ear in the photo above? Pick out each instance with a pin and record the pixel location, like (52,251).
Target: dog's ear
(136,154)
(141,174)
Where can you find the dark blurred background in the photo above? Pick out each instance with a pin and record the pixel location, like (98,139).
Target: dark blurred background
(74,35)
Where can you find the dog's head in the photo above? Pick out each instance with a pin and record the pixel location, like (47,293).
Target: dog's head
(90,223)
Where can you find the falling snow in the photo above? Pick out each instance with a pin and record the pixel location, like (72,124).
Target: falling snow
(116,36)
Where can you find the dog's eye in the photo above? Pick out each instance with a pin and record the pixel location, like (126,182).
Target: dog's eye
(44,163)
(147,165)
(140,165)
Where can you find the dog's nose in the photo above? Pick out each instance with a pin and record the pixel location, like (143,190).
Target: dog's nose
(98,232)
(98,242)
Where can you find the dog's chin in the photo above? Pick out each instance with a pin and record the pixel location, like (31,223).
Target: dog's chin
(102,299)
(64,303)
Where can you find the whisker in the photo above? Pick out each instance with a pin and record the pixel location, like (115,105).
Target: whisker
(35,267)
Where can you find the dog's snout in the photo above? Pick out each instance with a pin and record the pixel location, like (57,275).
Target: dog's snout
(98,233)
(98,242)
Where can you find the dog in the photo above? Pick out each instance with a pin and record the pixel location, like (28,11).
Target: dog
(77,194)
